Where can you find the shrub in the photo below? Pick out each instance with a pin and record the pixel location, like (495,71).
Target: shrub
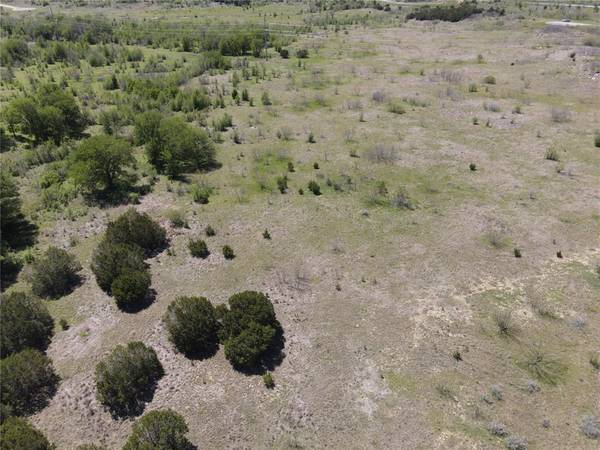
(489,79)
(18,434)
(302,53)
(316,166)
(517,253)
(516,443)
(201,193)
(396,108)
(228,252)
(110,260)
(131,287)
(54,274)
(311,138)
(552,154)
(192,325)
(544,368)
(160,429)
(133,227)
(505,323)
(590,427)
(248,328)
(210,231)
(472,167)
(282,184)
(177,218)
(100,164)
(28,381)
(127,378)
(226,121)
(266,234)
(314,187)
(26,322)
(265,99)
(497,429)
(268,380)
(597,140)
(284,53)
(290,167)
(198,248)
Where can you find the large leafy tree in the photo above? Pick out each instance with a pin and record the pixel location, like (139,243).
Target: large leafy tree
(99,165)
(26,322)
(176,148)
(159,430)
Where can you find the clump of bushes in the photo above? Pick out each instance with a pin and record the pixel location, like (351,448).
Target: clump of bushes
(26,323)
(249,327)
(314,187)
(160,429)
(18,434)
(228,252)
(28,381)
(198,248)
(127,378)
(118,261)
(192,326)
(447,13)
(54,274)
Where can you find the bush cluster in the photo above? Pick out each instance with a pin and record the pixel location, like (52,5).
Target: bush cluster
(160,429)
(447,13)
(118,261)
(54,274)
(198,248)
(18,434)
(127,378)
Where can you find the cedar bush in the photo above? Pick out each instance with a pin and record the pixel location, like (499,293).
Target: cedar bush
(127,378)
(28,381)
(54,274)
(198,248)
(110,259)
(158,430)
(26,322)
(131,287)
(192,326)
(133,227)
(18,434)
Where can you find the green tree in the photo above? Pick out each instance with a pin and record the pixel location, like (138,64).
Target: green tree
(180,148)
(130,287)
(133,227)
(99,165)
(127,378)
(146,130)
(17,434)
(54,274)
(110,260)
(16,231)
(245,349)
(28,381)
(159,430)
(26,322)
(192,325)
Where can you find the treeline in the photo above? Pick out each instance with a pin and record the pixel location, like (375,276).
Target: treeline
(447,13)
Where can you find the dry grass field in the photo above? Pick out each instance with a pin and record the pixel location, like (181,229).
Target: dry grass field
(409,321)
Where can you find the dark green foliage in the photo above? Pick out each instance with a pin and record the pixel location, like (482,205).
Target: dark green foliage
(13,51)
(133,227)
(63,324)
(302,53)
(597,140)
(316,166)
(472,167)
(198,248)
(127,378)
(131,287)
(179,148)
(245,349)
(16,231)
(100,164)
(54,274)
(314,187)
(290,167)
(192,326)
(248,328)
(224,122)
(284,53)
(448,13)
(228,252)
(266,100)
(282,184)
(517,253)
(146,128)
(18,434)
(311,138)
(267,235)
(28,381)
(111,259)
(26,322)
(201,193)
(52,113)
(210,231)
(159,430)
